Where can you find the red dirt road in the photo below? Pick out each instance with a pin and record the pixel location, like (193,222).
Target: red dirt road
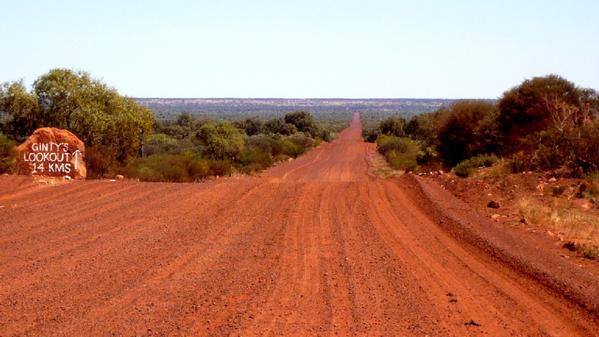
(313,247)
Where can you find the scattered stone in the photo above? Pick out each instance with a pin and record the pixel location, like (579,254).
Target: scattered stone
(495,216)
(524,221)
(119,177)
(493,204)
(452,298)
(570,245)
(67,178)
(472,323)
(541,187)
(581,189)
(552,179)
(583,204)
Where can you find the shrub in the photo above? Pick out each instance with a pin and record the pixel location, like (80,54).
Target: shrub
(393,126)
(98,159)
(401,153)
(221,141)
(370,134)
(250,126)
(7,154)
(198,168)
(255,159)
(304,122)
(531,107)
(220,168)
(465,168)
(466,129)
(169,168)
(162,143)
(279,126)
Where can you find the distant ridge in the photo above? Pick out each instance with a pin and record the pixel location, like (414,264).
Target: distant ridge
(224,107)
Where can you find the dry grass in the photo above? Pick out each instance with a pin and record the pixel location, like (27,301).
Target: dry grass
(499,169)
(570,224)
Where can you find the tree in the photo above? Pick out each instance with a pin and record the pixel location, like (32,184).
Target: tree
(20,110)
(466,130)
(304,122)
(7,154)
(186,122)
(539,104)
(393,126)
(278,125)
(250,126)
(221,141)
(93,111)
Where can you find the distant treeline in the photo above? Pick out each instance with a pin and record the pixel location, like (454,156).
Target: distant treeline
(545,123)
(232,108)
(124,137)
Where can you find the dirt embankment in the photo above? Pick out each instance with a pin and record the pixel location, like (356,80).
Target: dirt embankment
(316,246)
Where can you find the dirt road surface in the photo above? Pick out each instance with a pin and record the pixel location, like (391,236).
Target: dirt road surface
(313,247)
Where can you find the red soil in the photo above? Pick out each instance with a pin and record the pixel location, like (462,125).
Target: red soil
(316,246)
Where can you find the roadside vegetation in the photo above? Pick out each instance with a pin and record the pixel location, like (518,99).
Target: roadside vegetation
(546,125)
(123,137)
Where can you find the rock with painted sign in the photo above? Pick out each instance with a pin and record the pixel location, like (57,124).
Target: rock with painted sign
(52,152)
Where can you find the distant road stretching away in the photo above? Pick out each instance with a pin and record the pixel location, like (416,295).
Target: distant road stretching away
(313,247)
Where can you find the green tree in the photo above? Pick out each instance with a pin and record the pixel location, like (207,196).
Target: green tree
(393,126)
(221,141)
(7,154)
(97,114)
(250,126)
(466,129)
(278,125)
(304,122)
(542,103)
(20,110)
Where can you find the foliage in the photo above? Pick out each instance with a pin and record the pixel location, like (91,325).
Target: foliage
(99,162)
(465,130)
(303,122)
(370,134)
(465,168)
(7,154)
(251,126)
(21,110)
(221,141)
(543,103)
(401,153)
(279,126)
(90,109)
(169,167)
(393,126)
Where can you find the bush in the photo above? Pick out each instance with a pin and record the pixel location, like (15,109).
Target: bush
(393,126)
(279,126)
(169,168)
(98,161)
(304,122)
(220,168)
(221,141)
(371,134)
(255,159)
(401,153)
(162,143)
(465,168)
(466,129)
(531,107)
(7,154)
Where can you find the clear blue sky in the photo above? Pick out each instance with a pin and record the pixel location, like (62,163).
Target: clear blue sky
(361,49)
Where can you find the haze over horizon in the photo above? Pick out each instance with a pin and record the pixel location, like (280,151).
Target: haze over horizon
(312,49)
